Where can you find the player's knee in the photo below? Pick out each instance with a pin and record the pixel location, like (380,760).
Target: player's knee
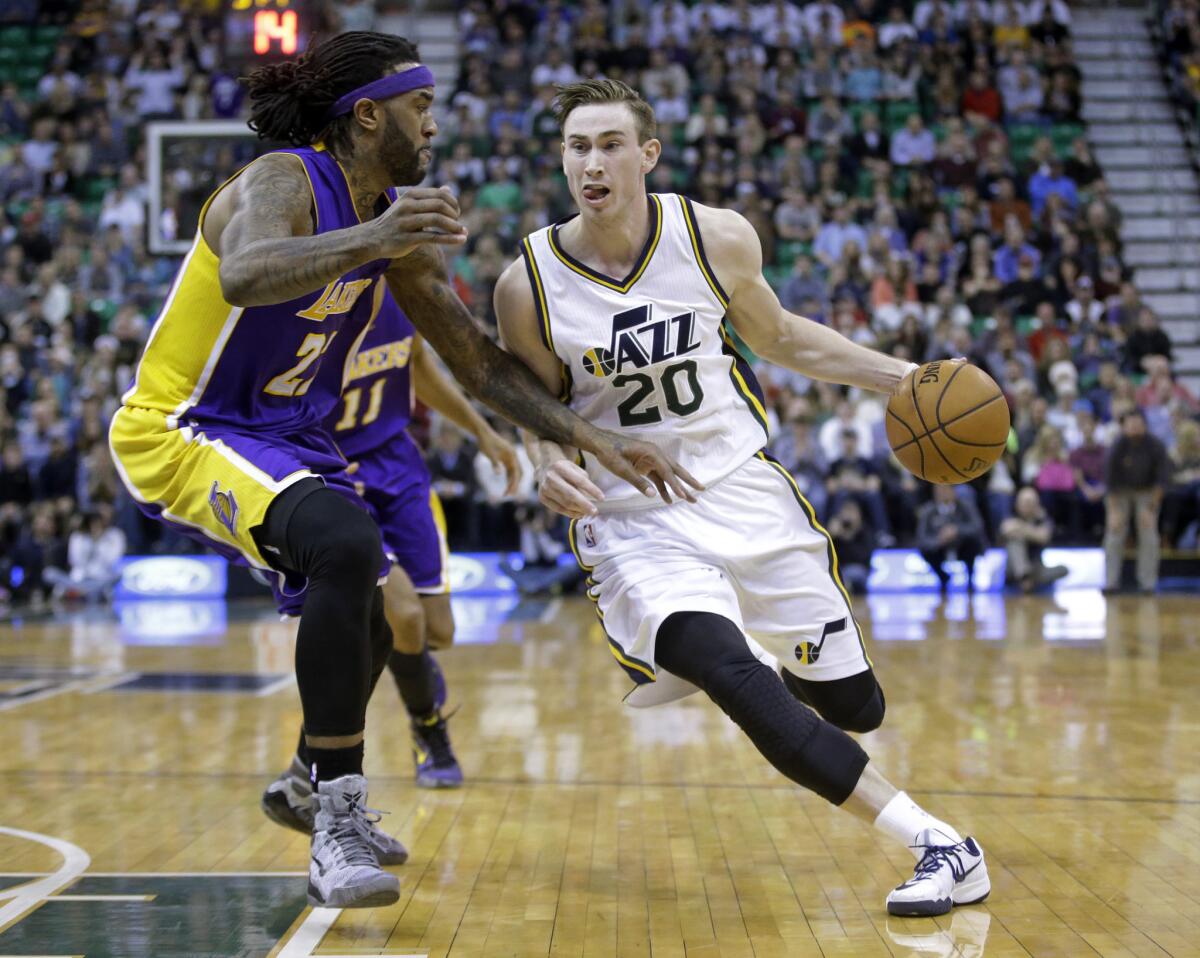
(811,752)
(350,548)
(868,717)
(407,620)
(855,703)
(439,634)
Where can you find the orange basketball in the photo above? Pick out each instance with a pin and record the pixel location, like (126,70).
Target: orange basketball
(948,421)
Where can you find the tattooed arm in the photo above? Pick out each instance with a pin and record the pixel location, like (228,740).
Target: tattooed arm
(261,227)
(422,288)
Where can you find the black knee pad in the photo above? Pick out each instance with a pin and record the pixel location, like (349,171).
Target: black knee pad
(854,703)
(351,547)
(711,652)
(320,534)
(870,716)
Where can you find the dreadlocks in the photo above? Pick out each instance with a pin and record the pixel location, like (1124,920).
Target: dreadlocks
(290,101)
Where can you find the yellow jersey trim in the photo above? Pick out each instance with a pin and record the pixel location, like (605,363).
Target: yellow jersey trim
(539,294)
(618,652)
(811,515)
(739,381)
(193,327)
(689,217)
(639,267)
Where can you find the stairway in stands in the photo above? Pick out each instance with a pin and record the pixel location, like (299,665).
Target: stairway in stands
(1142,151)
(433,26)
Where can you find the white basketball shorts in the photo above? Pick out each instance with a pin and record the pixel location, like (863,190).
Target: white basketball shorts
(749,549)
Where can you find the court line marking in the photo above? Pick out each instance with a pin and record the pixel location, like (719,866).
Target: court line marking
(551,611)
(26,897)
(54,898)
(279,684)
(92,874)
(307,938)
(85,685)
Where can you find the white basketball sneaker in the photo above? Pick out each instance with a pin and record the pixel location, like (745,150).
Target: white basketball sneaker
(945,876)
(288,802)
(344,871)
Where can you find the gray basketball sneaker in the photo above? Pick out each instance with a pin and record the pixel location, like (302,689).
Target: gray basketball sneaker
(343,871)
(288,802)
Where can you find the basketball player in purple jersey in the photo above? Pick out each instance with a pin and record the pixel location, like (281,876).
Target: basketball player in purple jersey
(370,426)
(221,433)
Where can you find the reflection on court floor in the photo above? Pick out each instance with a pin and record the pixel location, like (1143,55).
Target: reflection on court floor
(1060,730)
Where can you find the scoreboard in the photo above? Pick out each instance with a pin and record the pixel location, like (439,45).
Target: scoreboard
(259,30)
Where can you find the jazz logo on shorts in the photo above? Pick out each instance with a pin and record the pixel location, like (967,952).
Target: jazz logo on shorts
(224,507)
(807,653)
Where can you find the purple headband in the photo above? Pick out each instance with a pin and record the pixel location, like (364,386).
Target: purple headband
(391,85)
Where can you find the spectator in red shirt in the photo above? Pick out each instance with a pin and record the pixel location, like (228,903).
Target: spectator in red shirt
(981,99)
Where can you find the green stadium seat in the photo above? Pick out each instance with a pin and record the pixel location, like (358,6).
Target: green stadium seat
(898,111)
(93,189)
(856,111)
(38,53)
(775,276)
(1024,132)
(1063,135)
(786,252)
(864,184)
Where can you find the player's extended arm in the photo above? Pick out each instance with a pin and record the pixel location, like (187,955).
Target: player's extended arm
(770,330)
(421,286)
(261,228)
(562,485)
(441,394)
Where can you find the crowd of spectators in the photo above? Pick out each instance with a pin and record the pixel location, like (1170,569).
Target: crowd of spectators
(917,173)
(1176,29)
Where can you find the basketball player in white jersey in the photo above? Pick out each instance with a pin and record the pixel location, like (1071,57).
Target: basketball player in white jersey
(623,310)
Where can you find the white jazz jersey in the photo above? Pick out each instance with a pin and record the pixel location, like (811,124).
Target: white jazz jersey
(649,355)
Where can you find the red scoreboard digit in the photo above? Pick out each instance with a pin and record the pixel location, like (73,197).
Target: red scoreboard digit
(265,28)
(271,26)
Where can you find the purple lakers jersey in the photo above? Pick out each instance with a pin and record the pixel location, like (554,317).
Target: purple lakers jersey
(370,424)
(213,364)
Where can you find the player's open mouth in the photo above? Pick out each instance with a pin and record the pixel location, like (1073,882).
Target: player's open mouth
(594,194)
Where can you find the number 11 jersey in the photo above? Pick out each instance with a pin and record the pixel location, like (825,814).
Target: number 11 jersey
(650,355)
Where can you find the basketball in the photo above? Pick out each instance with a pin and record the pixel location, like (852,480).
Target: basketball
(948,422)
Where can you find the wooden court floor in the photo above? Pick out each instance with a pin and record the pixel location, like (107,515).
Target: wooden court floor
(1063,733)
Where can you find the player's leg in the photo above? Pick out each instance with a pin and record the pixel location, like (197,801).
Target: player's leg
(710,651)
(854,703)
(414,530)
(793,604)
(439,621)
(341,649)
(248,497)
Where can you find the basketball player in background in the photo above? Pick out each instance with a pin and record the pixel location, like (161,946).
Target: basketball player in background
(627,302)
(221,433)
(370,426)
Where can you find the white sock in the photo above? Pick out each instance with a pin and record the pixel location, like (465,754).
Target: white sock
(903,819)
